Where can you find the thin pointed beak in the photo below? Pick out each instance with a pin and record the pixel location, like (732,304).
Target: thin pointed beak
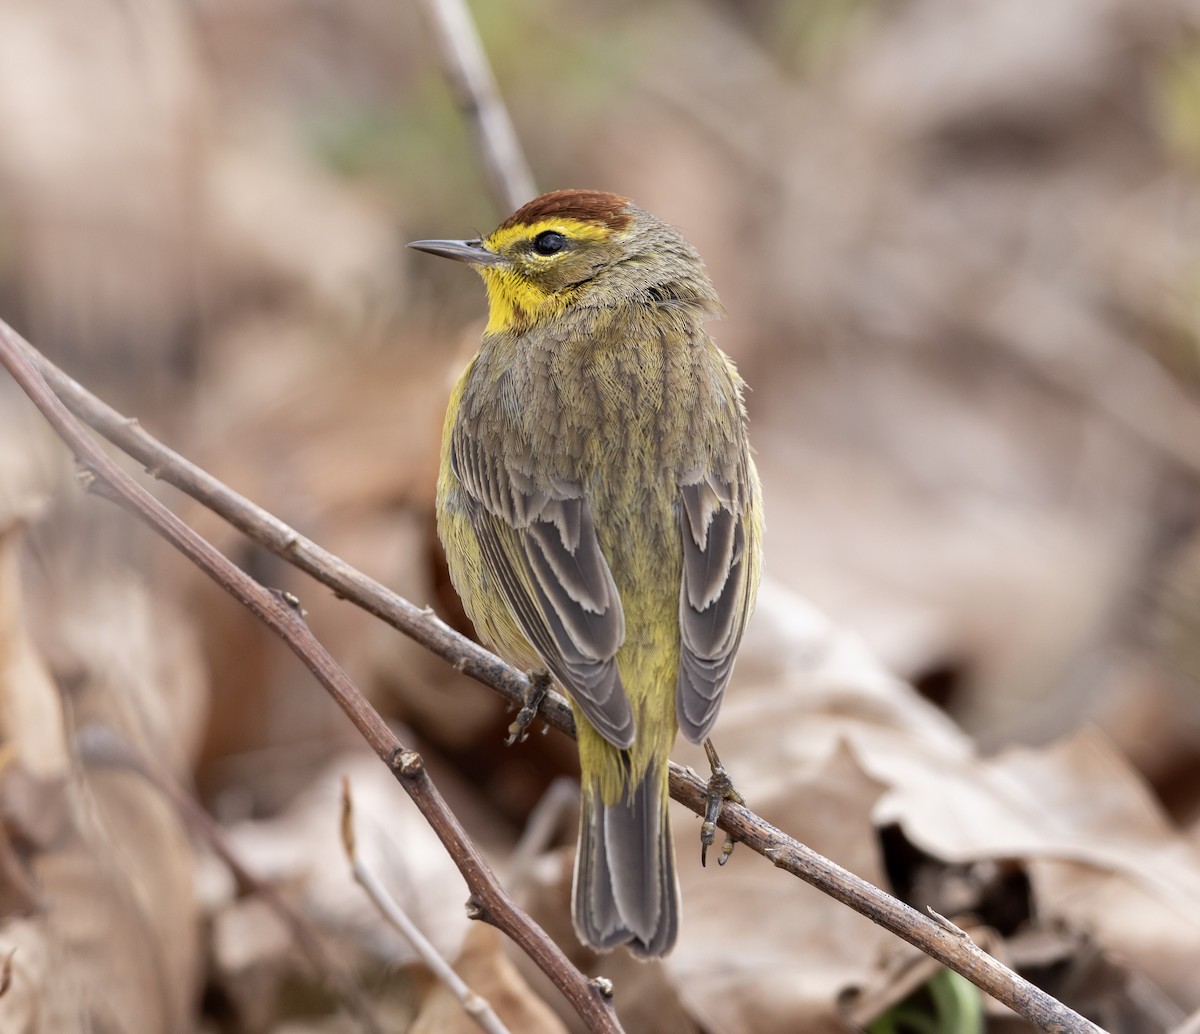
(472,252)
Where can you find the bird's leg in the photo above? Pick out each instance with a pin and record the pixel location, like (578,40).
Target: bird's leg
(539,683)
(720,790)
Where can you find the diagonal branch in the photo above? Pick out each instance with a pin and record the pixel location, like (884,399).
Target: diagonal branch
(473,1004)
(281,613)
(940,940)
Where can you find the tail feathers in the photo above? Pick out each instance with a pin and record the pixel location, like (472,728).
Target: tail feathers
(625,886)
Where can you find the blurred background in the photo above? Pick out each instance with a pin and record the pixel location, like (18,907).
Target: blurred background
(957,245)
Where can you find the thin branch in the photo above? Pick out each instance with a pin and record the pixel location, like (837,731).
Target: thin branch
(418,623)
(560,799)
(478,98)
(103,746)
(489,901)
(958,953)
(474,1005)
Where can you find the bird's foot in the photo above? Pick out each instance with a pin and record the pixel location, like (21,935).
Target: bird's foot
(720,790)
(539,683)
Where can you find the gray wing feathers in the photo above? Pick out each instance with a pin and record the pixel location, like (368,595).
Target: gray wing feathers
(571,570)
(539,543)
(713,600)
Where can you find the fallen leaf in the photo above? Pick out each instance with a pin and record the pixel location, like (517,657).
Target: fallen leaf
(487,971)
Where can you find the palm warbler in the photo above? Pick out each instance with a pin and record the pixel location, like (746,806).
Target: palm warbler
(601,516)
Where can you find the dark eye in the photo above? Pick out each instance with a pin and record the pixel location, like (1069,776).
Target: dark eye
(549,242)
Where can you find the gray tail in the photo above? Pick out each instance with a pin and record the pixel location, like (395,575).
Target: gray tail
(625,886)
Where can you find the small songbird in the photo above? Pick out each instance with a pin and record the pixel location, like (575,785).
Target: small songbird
(601,516)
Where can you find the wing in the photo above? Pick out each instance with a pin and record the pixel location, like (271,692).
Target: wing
(720,578)
(539,543)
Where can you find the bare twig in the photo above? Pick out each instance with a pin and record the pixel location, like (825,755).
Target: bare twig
(419,623)
(475,1005)
(952,950)
(478,98)
(102,746)
(489,901)
(956,952)
(561,798)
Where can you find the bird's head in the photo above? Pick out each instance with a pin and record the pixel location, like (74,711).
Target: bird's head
(580,249)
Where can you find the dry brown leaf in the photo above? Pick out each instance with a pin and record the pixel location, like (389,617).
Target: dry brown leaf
(122,920)
(112,938)
(118,940)
(760,952)
(32,734)
(1115,867)
(33,957)
(1076,799)
(134,658)
(31,721)
(253,953)
(826,745)
(301,849)
(1101,854)
(101,870)
(487,971)
(123,915)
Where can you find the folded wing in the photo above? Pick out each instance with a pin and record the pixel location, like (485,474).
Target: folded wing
(716,594)
(539,542)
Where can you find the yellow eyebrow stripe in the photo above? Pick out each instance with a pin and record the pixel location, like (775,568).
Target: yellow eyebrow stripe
(577,229)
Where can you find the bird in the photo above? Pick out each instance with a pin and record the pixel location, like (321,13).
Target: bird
(601,517)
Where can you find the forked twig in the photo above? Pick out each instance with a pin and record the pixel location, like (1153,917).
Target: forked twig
(961,954)
(282,615)
(474,1005)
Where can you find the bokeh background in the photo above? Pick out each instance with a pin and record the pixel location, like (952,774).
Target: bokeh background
(957,245)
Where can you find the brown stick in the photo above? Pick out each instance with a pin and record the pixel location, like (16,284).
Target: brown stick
(489,901)
(478,1008)
(940,940)
(478,99)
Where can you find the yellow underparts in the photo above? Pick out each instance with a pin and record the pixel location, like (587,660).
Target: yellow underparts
(514,301)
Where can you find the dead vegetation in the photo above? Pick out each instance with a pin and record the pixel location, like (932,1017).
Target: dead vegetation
(957,248)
